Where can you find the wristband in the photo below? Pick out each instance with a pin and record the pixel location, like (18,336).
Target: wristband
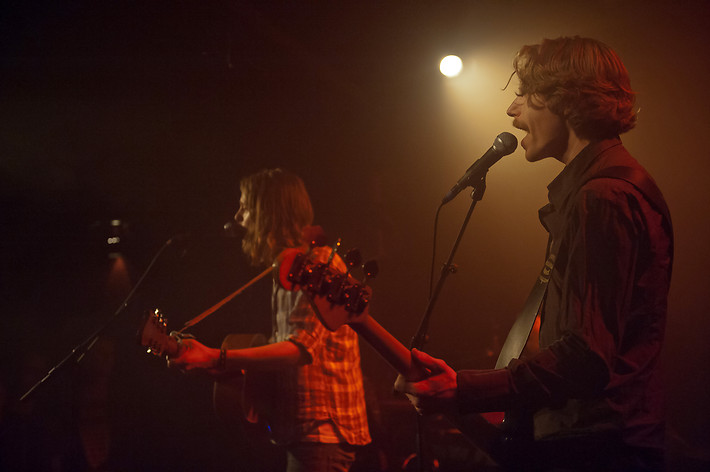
(222,361)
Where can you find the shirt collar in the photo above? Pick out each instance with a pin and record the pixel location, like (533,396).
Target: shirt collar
(572,176)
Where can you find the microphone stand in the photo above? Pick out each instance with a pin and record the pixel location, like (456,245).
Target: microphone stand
(85,346)
(420,337)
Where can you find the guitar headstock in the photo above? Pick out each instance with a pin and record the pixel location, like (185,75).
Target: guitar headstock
(336,295)
(153,334)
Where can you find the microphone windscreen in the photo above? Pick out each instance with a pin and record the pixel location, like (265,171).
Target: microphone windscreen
(506,143)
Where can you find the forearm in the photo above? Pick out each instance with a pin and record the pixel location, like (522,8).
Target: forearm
(568,369)
(484,390)
(268,357)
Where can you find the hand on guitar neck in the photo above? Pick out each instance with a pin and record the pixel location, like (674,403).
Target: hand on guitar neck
(189,355)
(195,356)
(431,387)
(181,351)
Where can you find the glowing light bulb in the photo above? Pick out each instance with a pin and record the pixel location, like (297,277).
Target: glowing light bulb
(451,66)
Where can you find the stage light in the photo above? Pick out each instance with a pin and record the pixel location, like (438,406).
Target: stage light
(115,237)
(451,66)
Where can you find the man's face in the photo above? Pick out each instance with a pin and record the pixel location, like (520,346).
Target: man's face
(242,216)
(547,136)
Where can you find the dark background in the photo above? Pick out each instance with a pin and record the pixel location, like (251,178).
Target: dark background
(150,112)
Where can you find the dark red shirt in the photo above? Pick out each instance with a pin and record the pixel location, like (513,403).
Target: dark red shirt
(603,319)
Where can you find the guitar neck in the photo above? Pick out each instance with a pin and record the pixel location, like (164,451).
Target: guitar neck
(476,428)
(396,355)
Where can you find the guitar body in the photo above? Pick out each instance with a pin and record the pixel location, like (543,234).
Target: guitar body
(244,395)
(249,395)
(236,396)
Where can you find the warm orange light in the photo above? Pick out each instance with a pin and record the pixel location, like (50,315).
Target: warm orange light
(119,281)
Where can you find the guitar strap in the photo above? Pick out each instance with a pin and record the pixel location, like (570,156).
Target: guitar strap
(226,299)
(519,333)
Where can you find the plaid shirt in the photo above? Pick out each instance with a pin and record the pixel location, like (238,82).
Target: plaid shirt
(326,391)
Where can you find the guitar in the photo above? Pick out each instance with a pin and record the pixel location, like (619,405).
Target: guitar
(236,396)
(339,299)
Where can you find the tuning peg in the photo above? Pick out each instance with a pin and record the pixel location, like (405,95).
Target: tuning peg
(371,269)
(315,236)
(353,258)
(336,246)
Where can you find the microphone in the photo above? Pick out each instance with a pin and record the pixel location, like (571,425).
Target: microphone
(233,230)
(178,238)
(504,144)
(229,230)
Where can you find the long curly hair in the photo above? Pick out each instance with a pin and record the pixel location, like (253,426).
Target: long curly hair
(582,80)
(279,208)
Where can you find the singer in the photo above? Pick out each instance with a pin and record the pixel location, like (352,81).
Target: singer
(591,395)
(318,399)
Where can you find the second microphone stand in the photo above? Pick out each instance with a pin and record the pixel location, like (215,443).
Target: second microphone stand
(420,337)
(81,349)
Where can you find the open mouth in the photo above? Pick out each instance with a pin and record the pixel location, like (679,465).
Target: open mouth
(522,141)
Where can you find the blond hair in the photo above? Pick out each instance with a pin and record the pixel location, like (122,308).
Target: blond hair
(279,208)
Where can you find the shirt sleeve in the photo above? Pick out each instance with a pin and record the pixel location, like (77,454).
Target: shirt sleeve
(306,330)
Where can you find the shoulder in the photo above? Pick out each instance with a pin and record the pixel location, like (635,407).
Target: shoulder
(604,201)
(606,185)
(605,188)
(612,206)
(615,177)
(623,181)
